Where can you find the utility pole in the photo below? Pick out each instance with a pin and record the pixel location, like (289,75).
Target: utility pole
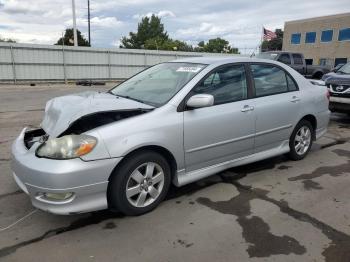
(89,22)
(74,24)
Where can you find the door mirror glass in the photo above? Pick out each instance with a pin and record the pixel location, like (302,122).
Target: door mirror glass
(201,100)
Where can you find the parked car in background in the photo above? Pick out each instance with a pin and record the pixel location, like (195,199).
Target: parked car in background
(337,67)
(297,62)
(175,122)
(338,84)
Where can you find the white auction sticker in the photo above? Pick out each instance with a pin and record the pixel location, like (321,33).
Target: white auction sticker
(188,69)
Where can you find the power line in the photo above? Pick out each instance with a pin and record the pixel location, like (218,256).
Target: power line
(89,33)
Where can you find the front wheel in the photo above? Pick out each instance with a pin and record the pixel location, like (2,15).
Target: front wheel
(140,183)
(300,141)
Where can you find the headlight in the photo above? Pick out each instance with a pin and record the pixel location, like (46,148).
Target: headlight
(67,147)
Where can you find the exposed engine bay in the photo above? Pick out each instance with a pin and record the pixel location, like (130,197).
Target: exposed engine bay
(83,124)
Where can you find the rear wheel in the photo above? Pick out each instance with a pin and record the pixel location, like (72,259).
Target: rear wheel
(300,141)
(317,75)
(140,183)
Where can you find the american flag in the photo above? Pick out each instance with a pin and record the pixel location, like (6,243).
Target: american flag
(269,35)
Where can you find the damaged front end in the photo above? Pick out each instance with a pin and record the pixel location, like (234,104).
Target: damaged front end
(92,121)
(81,125)
(79,113)
(34,135)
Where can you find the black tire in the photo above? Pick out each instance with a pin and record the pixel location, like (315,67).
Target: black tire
(120,179)
(317,75)
(293,154)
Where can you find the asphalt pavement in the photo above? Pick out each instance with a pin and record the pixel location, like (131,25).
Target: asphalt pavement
(272,210)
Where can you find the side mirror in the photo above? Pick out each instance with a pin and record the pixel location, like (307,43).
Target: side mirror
(201,100)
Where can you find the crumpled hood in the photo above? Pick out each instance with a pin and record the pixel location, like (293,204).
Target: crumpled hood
(61,112)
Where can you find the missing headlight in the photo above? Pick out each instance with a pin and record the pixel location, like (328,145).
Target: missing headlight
(33,136)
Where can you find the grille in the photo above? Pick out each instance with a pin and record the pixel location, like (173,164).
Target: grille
(338,88)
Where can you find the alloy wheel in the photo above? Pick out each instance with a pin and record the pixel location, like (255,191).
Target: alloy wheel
(302,140)
(145,184)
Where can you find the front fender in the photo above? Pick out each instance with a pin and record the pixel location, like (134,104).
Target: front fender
(157,128)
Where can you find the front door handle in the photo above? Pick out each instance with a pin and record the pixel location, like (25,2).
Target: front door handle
(247,108)
(295,99)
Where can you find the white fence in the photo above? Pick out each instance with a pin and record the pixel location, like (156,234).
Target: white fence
(26,62)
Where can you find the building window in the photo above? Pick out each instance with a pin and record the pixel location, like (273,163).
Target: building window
(338,61)
(309,61)
(310,37)
(295,39)
(327,36)
(344,34)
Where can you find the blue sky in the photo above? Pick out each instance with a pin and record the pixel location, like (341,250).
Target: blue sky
(238,21)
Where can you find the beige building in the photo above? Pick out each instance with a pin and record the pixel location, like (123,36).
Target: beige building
(322,40)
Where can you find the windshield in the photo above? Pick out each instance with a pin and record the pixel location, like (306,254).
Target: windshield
(271,56)
(158,84)
(345,69)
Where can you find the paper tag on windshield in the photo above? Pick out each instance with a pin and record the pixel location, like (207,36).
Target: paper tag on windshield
(188,69)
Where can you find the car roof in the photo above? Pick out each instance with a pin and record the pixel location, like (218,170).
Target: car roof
(211,60)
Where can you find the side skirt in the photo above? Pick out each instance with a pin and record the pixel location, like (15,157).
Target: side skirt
(182,178)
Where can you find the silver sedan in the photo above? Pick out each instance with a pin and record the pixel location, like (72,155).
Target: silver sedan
(173,123)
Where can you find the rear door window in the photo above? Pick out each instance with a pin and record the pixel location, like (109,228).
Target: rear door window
(292,86)
(271,80)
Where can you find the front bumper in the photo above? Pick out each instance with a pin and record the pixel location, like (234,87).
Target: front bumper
(87,180)
(339,104)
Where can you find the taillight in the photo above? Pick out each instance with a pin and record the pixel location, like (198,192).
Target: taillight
(328,95)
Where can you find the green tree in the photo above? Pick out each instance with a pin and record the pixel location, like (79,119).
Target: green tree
(152,35)
(273,44)
(216,45)
(68,38)
(148,28)
(7,40)
(158,43)
(201,44)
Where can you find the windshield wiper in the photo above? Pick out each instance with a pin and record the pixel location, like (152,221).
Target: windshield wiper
(132,98)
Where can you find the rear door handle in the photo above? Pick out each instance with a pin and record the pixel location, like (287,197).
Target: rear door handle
(247,108)
(295,99)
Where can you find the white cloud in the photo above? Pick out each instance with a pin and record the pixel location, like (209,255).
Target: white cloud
(116,43)
(105,21)
(165,13)
(20,7)
(108,5)
(205,29)
(239,21)
(100,22)
(161,14)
